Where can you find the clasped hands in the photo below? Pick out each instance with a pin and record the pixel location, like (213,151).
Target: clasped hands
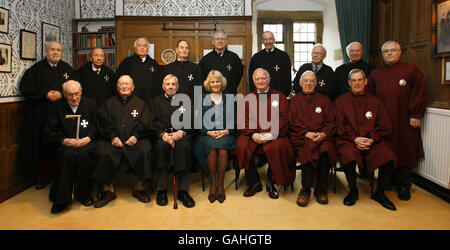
(76,143)
(53,95)
(262,138)
(315,136)
(173,137)
(116,142)
(363,143)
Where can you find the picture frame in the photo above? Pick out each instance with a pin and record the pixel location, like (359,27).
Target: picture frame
(445,71)
(4,20)
(27,45)
(440,31)
(50,32)
(5,58)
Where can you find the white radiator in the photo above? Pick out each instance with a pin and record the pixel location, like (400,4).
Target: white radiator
(436,142)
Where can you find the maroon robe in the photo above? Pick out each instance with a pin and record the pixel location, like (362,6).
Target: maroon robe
(279,152)
(402,103)
(363,116)
(312,113)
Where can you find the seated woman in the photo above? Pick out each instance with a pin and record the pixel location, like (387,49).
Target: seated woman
(173,148)
(217,135)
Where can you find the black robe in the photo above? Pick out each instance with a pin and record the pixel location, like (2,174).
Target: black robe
(188,74)
(74,166)
(229,65)
(343,70)
(326,80)
(34,86)
(278,64)
(97,87)
(146,75)
(181,156)
(123,120)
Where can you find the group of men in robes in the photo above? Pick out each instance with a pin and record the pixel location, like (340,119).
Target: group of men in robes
(130,113)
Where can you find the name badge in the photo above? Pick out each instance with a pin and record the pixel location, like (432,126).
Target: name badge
(402,82)
(369,115)
(318,110)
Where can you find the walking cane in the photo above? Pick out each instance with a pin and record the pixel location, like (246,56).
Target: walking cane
(175,205)
(78,123)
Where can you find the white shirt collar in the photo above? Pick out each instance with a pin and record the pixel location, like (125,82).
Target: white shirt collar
(267,90)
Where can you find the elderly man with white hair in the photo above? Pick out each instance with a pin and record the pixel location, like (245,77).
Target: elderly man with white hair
(41,85)
(70,128)
(326,81)
(143,69)
(355,54)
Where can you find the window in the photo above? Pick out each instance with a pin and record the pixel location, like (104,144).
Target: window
(278,33)
(304,40)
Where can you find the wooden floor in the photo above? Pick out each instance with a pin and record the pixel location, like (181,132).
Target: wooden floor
(31,210)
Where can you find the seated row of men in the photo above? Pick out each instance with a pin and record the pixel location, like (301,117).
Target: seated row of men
(91,145)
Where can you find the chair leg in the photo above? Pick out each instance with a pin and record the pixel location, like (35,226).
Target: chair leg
(203,182)
(236,173)
(334,179)
(372,182)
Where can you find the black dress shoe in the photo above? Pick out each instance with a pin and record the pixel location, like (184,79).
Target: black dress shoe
(253,190)
(404,194)
(106,197)
(381,198)
(161,198)
(185,198)
(142,195)
(41,184)
(88,202)
(351,198)
(273,193)
(58,208)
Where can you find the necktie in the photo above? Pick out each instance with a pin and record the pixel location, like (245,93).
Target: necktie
(97,71)
(314,68)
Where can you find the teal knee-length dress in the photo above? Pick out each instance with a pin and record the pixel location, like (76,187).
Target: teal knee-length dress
(215,117)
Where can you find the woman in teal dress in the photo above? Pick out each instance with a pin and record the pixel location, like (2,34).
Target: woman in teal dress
(217,135)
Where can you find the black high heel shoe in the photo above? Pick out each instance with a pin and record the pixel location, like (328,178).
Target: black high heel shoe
(220,197)
(212,198)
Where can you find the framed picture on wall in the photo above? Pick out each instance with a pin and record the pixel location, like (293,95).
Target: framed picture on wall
(27,45)
(50,32)
(4,20)
(5,58)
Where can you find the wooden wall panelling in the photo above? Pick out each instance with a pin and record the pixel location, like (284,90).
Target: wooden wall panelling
(130,28)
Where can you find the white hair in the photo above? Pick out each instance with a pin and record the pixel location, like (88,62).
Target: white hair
(349,45)
(68,83)
(218,32)
(388,42)
(308,71)
(320,45)
(260,69)
(140,38)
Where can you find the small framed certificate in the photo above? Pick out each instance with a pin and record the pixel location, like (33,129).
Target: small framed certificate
(27,45)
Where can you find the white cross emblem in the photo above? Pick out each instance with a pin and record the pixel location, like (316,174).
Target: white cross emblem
(190,77)
(276,68)
(152,69)
(84,123)
(229,67)
(182,109)
(66,76)
(106,78)
(134,113)
(322,83)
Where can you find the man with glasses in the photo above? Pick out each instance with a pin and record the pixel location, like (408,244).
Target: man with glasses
(326,82)
(73,139)
(226,62)
(401,87)
(274,60)
(355,54)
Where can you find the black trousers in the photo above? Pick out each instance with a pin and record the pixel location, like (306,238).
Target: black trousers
(383,172)
(74,167)
(252,176)
(321,171)
(403,177)
(182,179)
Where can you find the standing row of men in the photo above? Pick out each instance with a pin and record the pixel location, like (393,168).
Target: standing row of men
(42,85)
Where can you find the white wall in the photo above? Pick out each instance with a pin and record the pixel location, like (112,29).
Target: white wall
(331,38)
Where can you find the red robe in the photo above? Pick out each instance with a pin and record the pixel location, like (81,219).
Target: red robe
(279,152)
(402,103)
(314,113)
(363,116)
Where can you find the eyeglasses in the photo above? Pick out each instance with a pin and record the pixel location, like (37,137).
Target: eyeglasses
(220,39)
(390,50)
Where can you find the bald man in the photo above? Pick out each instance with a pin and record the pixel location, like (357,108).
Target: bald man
(41,85)
(75,152)
(143,69)
(96,78)
(123,126)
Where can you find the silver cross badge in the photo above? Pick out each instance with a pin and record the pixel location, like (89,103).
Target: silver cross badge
(182,109)
(106,78)
(191,77)
(134,113)
(152,69)
(66,76)
(229,67)
(84,123)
